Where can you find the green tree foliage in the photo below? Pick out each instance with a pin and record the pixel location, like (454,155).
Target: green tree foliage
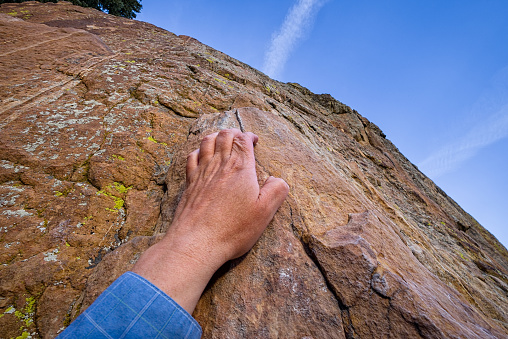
(125,8)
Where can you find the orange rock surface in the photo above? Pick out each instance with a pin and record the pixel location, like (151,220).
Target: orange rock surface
(97,114)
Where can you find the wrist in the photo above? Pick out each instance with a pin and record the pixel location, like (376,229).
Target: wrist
(173,269)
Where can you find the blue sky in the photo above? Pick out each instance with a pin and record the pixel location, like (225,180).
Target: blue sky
(433,75)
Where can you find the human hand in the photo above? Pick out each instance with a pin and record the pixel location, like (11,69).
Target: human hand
(223,211)
(221,214)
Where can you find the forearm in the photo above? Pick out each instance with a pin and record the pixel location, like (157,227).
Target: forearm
(175,272)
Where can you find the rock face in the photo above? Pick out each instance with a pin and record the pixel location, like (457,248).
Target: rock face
(97,114)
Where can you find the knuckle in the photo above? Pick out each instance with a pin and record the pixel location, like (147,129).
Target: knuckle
(235,162)
(240,143)
(208,137)
(230,132)
(225,131)
(242,139)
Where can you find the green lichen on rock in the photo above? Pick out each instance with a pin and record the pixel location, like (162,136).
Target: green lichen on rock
(25,316)
(119,202)
(120,187)
(152,139)
(64,193)
(9,310)
(23,335)
(116,187)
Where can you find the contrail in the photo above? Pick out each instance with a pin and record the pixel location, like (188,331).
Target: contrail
(298,20)
(448,158)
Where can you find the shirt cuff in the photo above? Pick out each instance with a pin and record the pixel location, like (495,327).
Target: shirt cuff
(132,307)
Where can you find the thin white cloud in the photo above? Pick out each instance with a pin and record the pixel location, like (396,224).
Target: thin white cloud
(491,112)
(298,21)
(450,157)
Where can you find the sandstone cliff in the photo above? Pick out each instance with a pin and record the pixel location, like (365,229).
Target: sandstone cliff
(96,115)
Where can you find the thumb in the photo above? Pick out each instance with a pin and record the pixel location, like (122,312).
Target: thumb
(273,193)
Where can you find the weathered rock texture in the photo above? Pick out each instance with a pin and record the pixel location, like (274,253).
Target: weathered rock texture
(97,114)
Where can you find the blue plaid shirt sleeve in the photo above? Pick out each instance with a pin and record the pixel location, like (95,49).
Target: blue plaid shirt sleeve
(132,307)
